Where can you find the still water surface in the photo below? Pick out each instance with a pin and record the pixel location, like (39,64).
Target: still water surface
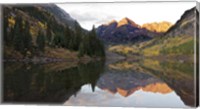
(147,83)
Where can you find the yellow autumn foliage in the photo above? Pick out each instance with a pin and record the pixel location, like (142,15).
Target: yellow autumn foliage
(11,21)
(124,49)
(152,51)
(43,26)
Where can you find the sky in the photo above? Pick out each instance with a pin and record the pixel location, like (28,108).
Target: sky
(89,14)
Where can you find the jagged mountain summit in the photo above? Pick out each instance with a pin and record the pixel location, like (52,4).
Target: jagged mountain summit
(124,31)
(127,21)
(157,26)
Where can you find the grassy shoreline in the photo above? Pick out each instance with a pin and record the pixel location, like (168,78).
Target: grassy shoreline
(50,55)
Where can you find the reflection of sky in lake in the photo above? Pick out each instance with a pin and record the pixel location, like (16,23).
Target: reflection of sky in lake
(140,98)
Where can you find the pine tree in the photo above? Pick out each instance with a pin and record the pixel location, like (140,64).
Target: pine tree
(91,45)
(67,35)
(18,36)
(49,34)
(78,35)
(5,28)
(81,51)
(40,41)
(11,35)
(27,37)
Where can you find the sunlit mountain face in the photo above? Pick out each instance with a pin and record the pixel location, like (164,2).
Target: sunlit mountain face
(157,26)
(127,21)
(126,30)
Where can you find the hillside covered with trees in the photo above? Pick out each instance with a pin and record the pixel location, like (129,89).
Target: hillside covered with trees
(36,31)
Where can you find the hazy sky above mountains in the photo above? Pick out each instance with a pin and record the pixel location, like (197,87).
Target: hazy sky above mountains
(88,14)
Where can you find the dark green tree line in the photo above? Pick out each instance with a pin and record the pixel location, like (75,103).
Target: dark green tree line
(55,35)
(91,45)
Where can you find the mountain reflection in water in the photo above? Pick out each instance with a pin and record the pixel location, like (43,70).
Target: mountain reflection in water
(155,84)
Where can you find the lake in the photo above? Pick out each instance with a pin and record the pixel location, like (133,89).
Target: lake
(144,83)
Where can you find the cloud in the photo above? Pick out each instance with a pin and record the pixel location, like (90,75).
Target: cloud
(83,17)
(105,19)
(90,18)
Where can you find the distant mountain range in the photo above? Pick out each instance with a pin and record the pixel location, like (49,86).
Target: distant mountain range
(127,30)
